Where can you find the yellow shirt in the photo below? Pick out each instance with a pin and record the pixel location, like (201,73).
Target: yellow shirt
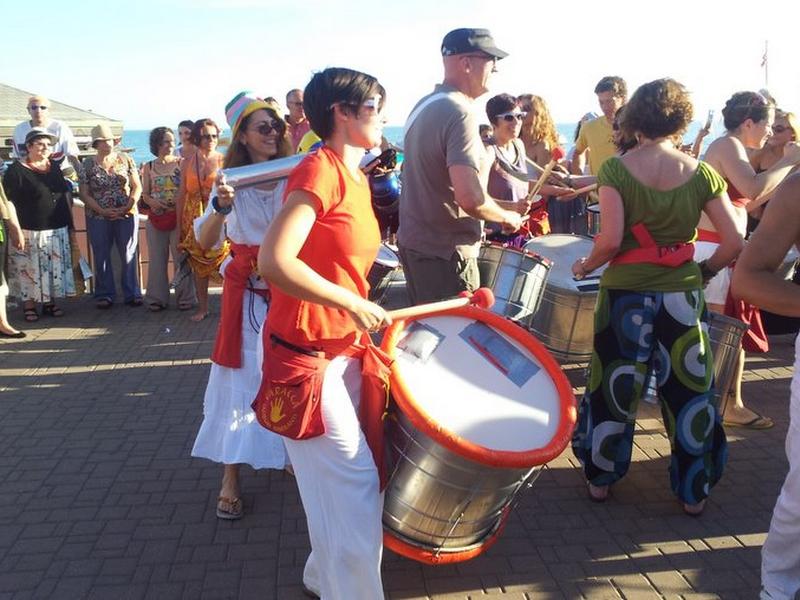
(597,136)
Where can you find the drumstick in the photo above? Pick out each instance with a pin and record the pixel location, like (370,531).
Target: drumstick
(556,155)
(482,298)
(587,188)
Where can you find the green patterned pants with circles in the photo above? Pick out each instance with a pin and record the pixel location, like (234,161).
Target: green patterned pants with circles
(668,332)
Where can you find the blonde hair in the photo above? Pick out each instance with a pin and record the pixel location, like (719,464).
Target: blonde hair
(791,120)
(539,128)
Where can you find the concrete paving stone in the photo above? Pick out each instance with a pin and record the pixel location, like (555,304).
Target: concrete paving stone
(227,579)
(119,592)
(668,582)
(263,589)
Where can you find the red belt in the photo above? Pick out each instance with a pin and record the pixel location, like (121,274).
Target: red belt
(228,345)
(707,235)
(668,256)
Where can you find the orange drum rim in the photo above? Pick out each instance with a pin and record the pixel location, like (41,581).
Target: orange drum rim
(444,556)
(463,447)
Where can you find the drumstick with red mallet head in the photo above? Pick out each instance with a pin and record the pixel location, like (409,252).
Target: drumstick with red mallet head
(556,155)
(482,298)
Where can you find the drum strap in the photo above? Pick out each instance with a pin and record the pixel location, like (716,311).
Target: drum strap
(667,256)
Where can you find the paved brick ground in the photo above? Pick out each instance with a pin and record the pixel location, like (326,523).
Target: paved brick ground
(99,498)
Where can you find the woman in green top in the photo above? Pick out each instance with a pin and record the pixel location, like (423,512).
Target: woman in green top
(650,309)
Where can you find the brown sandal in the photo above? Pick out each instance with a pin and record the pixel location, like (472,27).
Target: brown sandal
(229,509)
(31,315)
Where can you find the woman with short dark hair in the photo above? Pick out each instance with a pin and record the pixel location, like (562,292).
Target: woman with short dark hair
(650,311)
(748,119)
(161,179)
(198,174)
(40,264)
(316,256)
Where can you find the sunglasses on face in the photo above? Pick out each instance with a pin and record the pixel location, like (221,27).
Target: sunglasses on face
(209,136)
(267,128)
(37,107)
(511,116)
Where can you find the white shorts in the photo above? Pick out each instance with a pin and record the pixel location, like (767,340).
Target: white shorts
(716,292)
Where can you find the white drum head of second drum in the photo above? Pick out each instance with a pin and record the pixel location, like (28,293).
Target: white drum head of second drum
(479,384)
(563,250)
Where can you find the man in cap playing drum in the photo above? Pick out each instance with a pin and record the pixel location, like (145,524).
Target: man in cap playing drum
(444,198)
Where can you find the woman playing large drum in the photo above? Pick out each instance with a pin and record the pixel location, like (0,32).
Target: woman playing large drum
(651,309)
(316,255)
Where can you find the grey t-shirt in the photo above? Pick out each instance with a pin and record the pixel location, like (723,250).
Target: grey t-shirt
(443,134)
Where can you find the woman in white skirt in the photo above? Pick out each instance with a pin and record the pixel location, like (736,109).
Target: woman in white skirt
(40,267)
(230,433)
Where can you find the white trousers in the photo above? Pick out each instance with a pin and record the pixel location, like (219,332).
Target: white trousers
(780,556)
(339,487)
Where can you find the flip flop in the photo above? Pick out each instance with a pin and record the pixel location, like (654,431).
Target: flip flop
(757,422)
(233,511)
(155,307)
(31,315)
(134,302)
(694,510)
(104,304)
(597,493)
(51,310)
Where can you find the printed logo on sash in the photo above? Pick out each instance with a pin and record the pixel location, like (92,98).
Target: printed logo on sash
(288,401)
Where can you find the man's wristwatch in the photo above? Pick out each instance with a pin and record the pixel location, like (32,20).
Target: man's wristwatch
(223,210)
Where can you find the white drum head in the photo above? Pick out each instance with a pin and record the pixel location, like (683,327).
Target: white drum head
(476,382)
(564,249)
(387,257)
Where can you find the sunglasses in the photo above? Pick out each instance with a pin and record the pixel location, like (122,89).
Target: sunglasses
(511,117)
(37,107)
(267,128)
(209,136)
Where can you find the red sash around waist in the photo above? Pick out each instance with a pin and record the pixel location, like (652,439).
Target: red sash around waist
(707,235)
(667,256)
(228,345)
(289,400)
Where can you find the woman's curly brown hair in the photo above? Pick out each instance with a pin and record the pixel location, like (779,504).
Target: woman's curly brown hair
(539,126)
(660,108)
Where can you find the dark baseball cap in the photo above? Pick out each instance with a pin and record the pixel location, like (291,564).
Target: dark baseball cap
(463,41)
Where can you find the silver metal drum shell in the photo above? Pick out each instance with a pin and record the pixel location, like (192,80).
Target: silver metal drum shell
(438,500)
(517,279)
(564,323)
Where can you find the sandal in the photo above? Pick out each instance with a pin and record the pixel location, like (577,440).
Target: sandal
(229,509)
(185,306)
(51,310)
(155,307)
(694,510)
(597,493)
(134,302)
(104,304)
(31,314)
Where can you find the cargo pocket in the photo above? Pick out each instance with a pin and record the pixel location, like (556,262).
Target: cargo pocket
(289,401)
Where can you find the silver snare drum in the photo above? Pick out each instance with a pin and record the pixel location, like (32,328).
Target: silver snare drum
(517,278)
(564,322)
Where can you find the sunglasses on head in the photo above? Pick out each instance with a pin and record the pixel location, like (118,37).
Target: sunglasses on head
(209,136)
(511,116)
(268,127)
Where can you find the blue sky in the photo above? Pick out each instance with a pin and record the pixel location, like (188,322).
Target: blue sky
(156,62)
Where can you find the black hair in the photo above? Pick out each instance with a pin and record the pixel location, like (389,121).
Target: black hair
(612,83)
(497,105)
(745,105)
(157,137)
(197,129)
(337,85)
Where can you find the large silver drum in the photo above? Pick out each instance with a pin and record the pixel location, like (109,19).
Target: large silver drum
(517,278)
(479,405)
(564,322)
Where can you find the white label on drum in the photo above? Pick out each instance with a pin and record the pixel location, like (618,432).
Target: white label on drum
(500,353)
(420,341)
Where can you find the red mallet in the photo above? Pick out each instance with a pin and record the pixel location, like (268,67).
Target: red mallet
(556,155)
(482,298)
